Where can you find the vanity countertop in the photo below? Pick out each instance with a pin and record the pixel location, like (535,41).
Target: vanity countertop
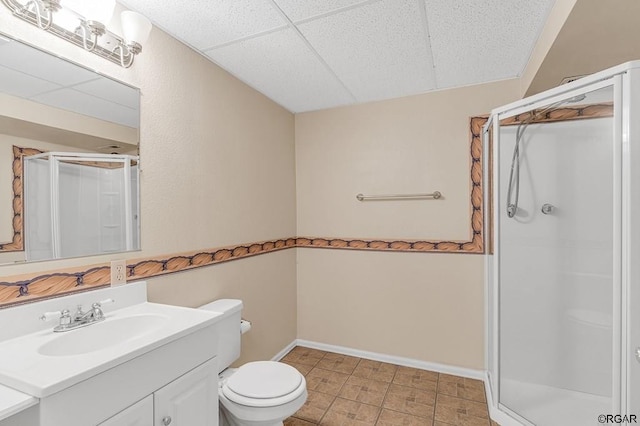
(12,402)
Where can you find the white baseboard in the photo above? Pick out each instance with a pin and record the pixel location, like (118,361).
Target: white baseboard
(286,350)
(392,359)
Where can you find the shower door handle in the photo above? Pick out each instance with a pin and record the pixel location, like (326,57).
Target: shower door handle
(638,354)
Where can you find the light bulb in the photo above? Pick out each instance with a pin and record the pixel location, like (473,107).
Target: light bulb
(98,10)
(135,27)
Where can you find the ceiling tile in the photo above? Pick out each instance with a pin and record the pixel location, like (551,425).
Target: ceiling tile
(477,41)
(20,57)
(113,91)
(379,50)
(281,66)
(205,24)
(81,103)
(297,10)
(22,85)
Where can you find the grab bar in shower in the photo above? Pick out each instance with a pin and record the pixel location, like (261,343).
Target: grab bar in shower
(431,196)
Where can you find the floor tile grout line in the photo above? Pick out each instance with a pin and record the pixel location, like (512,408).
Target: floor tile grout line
(435,402)
(328,408)
(435,409)
(382,407)
(408,414)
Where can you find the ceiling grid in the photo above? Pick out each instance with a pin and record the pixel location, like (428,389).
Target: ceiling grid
(308,54)
(311,48)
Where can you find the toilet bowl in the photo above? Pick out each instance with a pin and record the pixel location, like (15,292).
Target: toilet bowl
(260,393)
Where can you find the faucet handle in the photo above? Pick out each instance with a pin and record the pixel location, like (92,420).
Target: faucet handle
(97,307)
(79,312)
(104,302)
(64,316)
(50,316)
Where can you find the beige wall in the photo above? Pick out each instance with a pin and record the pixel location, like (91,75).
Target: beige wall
(217,162)
(596,35)
(424,306)
(267,286)
(419,305)
(555,21)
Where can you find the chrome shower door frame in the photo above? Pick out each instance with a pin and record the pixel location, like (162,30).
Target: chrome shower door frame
(625,81)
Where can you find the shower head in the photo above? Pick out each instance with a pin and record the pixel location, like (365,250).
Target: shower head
(577,98)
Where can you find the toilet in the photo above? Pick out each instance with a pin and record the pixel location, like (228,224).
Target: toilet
(261,393)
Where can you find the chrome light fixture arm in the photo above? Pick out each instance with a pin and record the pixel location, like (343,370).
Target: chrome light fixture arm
(89,42)
(43,11)
(125,55)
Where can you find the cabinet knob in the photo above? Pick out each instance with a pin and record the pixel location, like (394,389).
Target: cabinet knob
(166,421)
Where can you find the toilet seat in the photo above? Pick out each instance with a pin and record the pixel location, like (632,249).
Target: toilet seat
(264,384)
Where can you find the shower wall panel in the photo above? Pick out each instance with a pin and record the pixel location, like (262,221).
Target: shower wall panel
(556,291)
(79,215)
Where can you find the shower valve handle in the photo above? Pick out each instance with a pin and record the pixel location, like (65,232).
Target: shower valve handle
(547,208)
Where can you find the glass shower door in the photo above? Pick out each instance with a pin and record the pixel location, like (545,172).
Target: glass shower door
(557,285)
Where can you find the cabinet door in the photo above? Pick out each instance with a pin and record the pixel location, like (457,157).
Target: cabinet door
(190,400)
(139,414)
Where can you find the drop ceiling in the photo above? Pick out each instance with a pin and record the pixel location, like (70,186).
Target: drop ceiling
(314,54)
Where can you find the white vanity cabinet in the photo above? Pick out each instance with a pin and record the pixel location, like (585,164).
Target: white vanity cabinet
(144,364)
(139,414)
(190,400)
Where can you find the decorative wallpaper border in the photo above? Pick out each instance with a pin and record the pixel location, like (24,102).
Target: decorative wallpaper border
(566,113)
(475,243)
(57,283)
(17,244)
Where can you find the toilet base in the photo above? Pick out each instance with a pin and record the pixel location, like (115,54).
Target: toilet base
(227,420)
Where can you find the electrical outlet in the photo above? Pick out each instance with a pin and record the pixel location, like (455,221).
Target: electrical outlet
(118,272)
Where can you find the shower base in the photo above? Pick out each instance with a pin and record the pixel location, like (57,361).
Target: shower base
(548,406)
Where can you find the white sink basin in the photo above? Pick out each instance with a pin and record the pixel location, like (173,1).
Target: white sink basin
(40,363)
(99,336)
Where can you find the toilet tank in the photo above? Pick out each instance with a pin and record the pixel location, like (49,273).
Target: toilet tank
(228,330)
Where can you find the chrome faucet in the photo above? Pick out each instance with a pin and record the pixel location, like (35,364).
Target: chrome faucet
(79,319)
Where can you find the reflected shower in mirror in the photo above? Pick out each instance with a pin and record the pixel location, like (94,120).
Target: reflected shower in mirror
(79,204)
(50,105)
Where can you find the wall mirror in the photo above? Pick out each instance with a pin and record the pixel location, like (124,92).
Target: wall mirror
(69,141)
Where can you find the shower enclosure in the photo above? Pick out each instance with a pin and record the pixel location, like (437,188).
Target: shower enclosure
(563,268)
(80,204)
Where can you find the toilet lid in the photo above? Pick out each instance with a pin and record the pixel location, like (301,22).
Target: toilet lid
(264,380)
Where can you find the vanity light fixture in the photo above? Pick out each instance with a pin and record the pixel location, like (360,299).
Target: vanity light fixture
(84,23)
(135,29)
(95,14)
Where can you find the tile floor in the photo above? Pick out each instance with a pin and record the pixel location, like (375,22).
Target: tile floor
(345,391)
